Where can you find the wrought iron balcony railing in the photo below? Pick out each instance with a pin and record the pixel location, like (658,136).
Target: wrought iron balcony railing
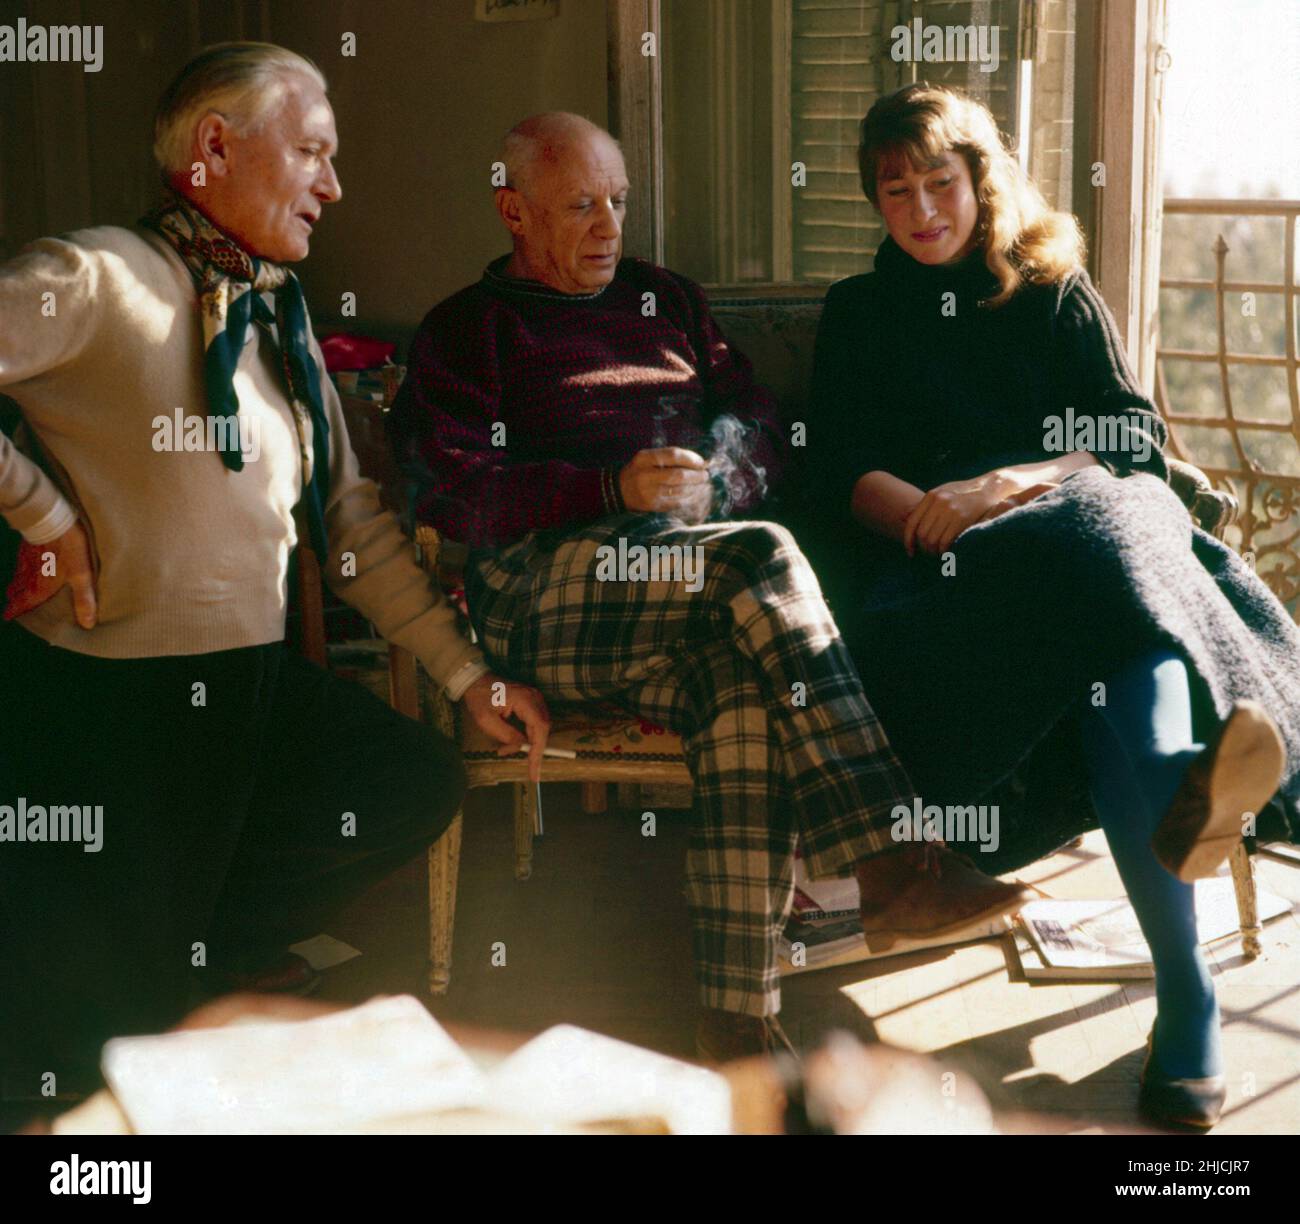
(1267,482)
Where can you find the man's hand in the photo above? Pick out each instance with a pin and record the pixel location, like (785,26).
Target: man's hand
(72,567)
(490,707)
(948,509)
(668,480)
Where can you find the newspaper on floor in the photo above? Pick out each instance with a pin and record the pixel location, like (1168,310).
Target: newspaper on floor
(1102,939)
(830,943)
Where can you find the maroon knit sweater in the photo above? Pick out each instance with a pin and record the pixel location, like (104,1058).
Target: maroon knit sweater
(521,404)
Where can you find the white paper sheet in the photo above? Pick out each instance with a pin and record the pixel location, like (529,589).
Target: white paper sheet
(324,951)
(834,895)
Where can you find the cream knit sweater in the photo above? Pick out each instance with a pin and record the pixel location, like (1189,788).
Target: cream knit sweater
(99,335)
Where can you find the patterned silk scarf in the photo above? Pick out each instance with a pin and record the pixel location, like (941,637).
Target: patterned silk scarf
(230,284)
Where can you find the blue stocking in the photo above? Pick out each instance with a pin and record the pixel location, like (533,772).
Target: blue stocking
(1138,747)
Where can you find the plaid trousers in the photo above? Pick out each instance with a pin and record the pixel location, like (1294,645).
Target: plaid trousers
(750,670)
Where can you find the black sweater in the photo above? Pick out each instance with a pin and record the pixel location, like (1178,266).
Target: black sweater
(974,671)
(900,386)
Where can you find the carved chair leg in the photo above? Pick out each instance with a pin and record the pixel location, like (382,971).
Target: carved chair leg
(444,864)
(525,805)
(1243,881)
(594,799)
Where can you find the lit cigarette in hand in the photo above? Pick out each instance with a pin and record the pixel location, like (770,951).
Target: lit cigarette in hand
(565,754)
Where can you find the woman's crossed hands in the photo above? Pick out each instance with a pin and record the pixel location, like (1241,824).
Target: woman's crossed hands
(948,509)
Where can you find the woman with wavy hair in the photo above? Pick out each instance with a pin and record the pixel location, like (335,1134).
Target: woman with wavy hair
(1011,569)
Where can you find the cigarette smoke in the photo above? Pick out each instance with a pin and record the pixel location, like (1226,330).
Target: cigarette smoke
(728,447)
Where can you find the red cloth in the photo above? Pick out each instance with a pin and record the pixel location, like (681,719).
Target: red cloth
(576,381)
(344,351)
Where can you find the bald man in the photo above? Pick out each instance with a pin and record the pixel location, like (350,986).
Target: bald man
(565,416)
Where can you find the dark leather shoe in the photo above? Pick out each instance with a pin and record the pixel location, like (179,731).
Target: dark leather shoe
(1236,774)
(288,974)
(928,891)
(723,1036)
(1195,1104)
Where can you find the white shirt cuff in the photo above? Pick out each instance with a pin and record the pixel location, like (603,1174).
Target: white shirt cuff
(60,519)
(464,677)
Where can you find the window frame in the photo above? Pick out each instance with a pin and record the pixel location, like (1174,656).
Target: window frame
(1117,97)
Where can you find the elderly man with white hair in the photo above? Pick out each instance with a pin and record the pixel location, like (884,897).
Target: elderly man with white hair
(240,793)
(574,407)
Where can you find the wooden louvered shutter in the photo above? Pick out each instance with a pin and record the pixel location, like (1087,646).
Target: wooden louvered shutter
(840,65)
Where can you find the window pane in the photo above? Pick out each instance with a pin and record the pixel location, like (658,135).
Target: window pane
(1051,112)
(719,139)
(762,101)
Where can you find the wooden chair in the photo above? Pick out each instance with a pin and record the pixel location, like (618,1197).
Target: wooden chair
(608,746)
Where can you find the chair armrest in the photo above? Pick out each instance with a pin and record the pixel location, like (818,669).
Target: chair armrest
(440,710)
(1212,509)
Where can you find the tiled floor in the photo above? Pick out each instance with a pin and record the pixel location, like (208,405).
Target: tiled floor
(599,937)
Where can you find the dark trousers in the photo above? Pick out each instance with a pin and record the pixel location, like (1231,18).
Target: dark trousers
(246,796)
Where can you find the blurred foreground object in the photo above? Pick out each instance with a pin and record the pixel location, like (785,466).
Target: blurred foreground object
(270,1065)
(267,1064)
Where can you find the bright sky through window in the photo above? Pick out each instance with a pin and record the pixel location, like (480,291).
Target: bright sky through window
(1232,99)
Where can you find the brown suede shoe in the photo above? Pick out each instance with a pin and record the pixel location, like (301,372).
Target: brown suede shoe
(723,1036)
(927,890)
(1236,774)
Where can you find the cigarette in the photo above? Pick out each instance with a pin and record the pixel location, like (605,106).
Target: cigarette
(565,754)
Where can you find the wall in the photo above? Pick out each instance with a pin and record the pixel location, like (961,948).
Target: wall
(420,110)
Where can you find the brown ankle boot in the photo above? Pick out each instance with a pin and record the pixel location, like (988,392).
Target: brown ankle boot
(926,891)
(723,1036)
(1238,773)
